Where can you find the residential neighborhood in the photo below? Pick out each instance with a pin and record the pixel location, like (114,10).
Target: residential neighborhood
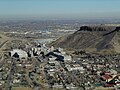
(38,66)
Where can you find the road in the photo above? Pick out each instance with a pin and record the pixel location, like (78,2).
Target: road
(3,43)
(10,73)
(2,62)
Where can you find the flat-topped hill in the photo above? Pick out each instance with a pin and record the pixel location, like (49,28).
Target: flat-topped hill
(92,39)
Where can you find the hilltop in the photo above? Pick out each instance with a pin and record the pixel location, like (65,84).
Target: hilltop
(92,39)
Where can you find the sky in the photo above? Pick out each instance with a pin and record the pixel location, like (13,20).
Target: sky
(59,9)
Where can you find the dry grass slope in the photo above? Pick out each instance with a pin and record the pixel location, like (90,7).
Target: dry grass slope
(91,38)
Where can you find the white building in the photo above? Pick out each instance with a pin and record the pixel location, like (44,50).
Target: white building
(67,58)
(52,58)
(22,54)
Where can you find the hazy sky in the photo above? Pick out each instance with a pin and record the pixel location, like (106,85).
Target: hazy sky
(60,9)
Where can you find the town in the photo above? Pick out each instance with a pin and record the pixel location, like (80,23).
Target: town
(59,44)
(38,67)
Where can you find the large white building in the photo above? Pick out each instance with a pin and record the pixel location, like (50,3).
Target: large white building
(22,54)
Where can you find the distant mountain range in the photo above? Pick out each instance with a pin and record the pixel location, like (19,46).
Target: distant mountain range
(92,39)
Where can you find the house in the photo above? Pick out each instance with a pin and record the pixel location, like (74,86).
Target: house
(2,82)
(107,77)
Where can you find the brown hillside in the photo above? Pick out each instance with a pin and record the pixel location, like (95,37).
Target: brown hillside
(93,39)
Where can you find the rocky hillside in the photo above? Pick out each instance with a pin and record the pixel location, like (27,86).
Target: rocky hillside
(92,39)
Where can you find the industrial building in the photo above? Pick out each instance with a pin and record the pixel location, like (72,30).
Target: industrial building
(18,53)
